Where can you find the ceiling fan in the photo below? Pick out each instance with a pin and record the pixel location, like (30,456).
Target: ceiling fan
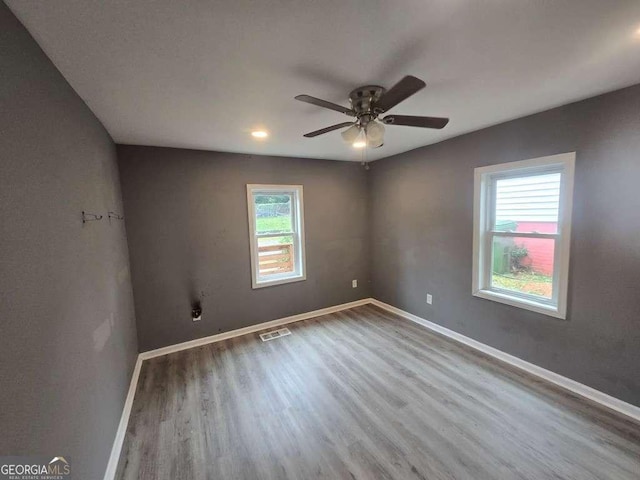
(367,103)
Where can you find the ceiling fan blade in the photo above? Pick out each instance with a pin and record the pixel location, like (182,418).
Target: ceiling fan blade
(323,103)
(415,121)
(328,129)
(399,92)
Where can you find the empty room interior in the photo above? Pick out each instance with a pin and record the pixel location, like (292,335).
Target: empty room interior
(297,239)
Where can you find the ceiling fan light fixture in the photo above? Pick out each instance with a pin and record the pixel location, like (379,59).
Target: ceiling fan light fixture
(375,143)
(375,130)
(351,134)
(361,140)
(375,134)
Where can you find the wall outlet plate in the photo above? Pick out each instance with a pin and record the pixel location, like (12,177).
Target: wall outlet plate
(354,283)
(429,299)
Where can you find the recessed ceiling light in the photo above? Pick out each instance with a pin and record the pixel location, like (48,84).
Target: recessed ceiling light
(359,144)
(259,134)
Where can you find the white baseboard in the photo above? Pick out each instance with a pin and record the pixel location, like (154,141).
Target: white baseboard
(110,473)
(607,401)
(584,391)
(126,411)
(251,329)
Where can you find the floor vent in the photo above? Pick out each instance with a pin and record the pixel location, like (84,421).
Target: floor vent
(283,332)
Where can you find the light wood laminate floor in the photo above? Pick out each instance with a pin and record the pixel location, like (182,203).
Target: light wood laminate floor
(363,394)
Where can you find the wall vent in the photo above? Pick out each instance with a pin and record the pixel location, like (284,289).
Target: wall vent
(282,332)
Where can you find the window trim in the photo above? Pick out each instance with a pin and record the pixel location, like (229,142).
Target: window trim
(482,233)
(300,265)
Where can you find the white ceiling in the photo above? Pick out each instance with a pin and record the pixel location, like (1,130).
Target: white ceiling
(201,74)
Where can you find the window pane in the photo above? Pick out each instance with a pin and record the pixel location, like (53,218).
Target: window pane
(273,213)
(523,265)
(528,204)
(275,255)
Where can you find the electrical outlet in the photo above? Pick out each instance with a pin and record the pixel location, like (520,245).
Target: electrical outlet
(354,283)
(429,299)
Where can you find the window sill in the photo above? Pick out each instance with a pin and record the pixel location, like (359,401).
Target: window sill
(277,281)
(551,310)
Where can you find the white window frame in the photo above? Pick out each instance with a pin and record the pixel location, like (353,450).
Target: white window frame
(483,233)
(297,213)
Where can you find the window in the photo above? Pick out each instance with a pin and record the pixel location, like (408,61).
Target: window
(276,226)
(522,228)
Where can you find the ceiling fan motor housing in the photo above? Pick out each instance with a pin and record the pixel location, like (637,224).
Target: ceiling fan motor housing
(362,100)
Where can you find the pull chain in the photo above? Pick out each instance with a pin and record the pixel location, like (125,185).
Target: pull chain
(363,158)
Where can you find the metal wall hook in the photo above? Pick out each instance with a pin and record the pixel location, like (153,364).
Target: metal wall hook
(90,217)
(115,215)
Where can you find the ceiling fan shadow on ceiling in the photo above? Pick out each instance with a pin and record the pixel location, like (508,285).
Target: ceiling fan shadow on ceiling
(367,104)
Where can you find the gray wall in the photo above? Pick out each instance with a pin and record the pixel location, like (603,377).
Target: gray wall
(422,224)
(68,340)
(186,216)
